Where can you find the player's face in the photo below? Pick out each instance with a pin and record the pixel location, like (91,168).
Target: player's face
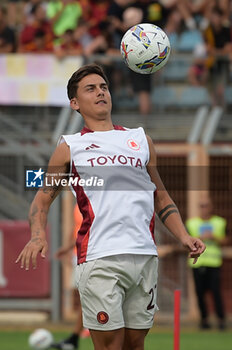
(93,98)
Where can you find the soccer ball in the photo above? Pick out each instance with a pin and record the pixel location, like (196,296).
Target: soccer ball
(40,339)
(145,48)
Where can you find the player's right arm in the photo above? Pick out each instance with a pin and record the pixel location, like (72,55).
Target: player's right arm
(59,164)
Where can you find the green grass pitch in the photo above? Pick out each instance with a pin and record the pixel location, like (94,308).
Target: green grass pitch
(157,339)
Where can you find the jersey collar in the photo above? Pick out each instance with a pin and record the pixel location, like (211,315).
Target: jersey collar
(86,130)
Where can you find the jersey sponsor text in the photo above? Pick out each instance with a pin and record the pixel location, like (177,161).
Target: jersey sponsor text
(115,160)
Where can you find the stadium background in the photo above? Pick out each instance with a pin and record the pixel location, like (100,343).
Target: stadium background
(191,132)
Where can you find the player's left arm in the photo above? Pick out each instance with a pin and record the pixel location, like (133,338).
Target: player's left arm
(167,210)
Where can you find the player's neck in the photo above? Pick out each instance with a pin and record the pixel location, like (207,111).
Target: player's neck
(100,125)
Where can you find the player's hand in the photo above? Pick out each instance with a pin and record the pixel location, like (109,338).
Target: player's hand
(195,246)
(30,252)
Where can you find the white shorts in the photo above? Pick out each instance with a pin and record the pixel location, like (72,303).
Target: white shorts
(118,291)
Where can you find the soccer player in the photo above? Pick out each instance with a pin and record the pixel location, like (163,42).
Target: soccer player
(117,255)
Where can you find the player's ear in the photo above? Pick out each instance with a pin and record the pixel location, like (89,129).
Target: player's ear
(74,104)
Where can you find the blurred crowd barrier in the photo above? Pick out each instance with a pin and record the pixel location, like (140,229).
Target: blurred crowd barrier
(33,79)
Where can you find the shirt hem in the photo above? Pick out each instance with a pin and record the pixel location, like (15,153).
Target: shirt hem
(112,253)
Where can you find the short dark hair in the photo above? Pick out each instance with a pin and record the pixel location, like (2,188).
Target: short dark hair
(80,74)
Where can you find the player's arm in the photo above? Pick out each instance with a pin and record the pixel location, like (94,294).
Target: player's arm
(58,165)
(168,212)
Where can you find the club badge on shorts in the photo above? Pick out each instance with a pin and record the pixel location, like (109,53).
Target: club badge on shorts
(102,317)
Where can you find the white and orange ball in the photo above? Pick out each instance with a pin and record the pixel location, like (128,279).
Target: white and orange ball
(145,48)
(40,339)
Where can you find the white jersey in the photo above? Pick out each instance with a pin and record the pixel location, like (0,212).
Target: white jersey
(114,192)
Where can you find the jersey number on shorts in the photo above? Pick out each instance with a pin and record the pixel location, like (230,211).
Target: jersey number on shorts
(151,305)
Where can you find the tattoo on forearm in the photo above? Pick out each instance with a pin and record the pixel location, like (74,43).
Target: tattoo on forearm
(37,219)
(162,211)
(36,240)
(34,211)
(51,190)
(164,218)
